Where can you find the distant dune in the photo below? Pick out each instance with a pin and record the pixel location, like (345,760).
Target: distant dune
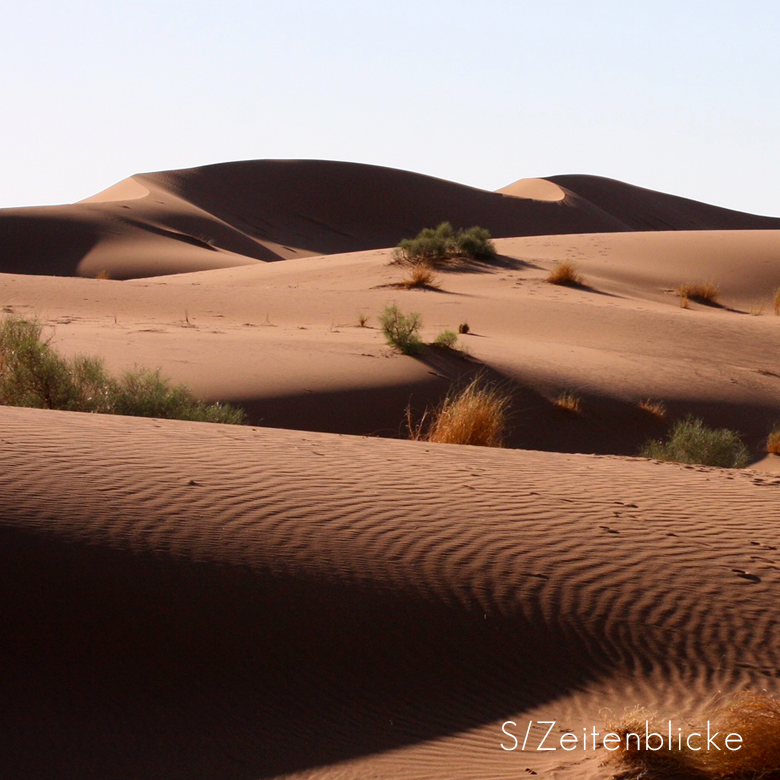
(242,213)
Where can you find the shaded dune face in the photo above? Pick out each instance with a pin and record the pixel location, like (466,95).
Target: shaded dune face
(201,601)
(258,211)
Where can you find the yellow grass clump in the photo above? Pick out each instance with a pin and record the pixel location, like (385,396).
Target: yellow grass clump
(420,275)
(477,414)
(569,401)
(103,274)
(565,274)
(773,442)
(704,292)
(755,718)
(656,408)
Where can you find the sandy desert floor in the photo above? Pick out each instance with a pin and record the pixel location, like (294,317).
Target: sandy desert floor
(311,596)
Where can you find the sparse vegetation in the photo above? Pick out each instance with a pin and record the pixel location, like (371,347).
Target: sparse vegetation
(402,330)
(776,301)
(33,374)
(420,275)
(463,328)
(447,338)
(701,293)
(656,408)
(773,441)
(565,274)
(569,401)
(476,414)
(103,274)
(363,320)
(691,441)
(753,717)
(435,246)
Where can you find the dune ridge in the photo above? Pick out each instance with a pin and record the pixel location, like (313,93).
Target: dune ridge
(185,600)
(238,213)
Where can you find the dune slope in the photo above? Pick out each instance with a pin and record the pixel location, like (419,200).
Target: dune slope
(191,601)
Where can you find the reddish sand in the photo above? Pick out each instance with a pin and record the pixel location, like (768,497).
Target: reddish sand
(186,601)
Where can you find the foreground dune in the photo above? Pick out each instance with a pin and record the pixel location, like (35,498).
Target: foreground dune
(191,601)
(243,213)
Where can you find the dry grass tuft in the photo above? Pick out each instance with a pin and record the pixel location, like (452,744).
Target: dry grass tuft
(702,293)
(776,301)
(420,275)
(773,442)
(569,401)
(565,274)
(476,414)
(103,274)
(757,309)
(753,717)
(656,408)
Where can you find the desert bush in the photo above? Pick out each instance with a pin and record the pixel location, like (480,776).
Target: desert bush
(446,338)
(402,331)
(565,274)
(476,414)
(475,244)
(145,393)
(420,275)
(33,374)
(753,717)
(434,246)
(463,328)
(691,441)
(703,293)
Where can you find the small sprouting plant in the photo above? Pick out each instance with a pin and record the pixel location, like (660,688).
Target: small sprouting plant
(656,408)
(565,274)
(569,401)
(703,292)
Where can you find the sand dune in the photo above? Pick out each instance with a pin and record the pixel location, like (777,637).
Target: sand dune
(247,212)
(193,601)
(204,602)
(283,339)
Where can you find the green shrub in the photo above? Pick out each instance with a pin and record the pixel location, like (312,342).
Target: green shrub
(446,338)
(691,441)
(434,246)
(401,330)
(33,374)
(476,244)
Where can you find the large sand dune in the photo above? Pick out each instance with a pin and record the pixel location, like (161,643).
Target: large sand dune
(248,212)
(191,601)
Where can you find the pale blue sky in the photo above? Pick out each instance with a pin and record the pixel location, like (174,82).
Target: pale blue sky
(677,96)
